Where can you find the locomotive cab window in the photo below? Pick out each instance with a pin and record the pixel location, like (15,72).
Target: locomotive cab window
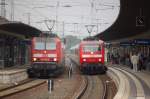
(91,48)
(50,44)
(44,43)
(39,45)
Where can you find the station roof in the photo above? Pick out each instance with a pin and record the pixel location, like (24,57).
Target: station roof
(19,28)
(134,19)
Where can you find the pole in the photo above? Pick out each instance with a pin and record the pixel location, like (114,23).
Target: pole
(12,10)
(63,29)
(74,27)
(57,15)
(3,10)
(50,85)
(97,25)
(70,71)
(92,10)
(29,15)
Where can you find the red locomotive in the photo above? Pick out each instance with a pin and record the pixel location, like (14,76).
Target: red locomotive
(47,56)
(91,56)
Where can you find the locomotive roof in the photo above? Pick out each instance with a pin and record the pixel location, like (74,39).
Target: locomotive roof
(50,38)
(47,34)
(92,42)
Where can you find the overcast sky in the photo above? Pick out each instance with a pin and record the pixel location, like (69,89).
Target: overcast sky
(74,13)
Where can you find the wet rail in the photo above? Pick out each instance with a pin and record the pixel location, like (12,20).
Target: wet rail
(110,88)
(15,84)
(21,87)
(96,87)
(107,86)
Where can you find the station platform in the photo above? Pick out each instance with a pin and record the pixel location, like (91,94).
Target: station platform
(13,75)
(137,84)
(143,74)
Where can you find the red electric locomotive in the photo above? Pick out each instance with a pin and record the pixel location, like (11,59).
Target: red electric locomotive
(47,56)
(91,57)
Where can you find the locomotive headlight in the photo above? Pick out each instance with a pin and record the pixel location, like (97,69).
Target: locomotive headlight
(55,59)
(99,60)
(34,59)
(84,60)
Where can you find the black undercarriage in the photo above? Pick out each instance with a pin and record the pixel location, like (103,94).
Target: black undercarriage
(45,70)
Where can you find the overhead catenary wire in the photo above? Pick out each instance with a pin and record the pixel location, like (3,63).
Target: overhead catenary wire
(46,9)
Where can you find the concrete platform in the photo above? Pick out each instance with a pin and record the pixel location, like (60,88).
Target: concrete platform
(12,76)
(141,79)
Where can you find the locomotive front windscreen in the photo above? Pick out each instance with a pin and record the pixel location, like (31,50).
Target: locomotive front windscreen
(45,43)
(91,48)
(50,44)
(40,45)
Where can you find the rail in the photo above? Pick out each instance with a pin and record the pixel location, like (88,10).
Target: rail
(20,88)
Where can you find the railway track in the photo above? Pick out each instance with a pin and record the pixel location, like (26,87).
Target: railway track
(94,88)
(21,87)
(16,84)
(97,87)
(110,87)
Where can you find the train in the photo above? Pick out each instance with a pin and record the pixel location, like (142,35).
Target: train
(47,57)
(91,55)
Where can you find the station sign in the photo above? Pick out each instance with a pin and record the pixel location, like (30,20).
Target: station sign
(142,41)
(140,21)
(131,43)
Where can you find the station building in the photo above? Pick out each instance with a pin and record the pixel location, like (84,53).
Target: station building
(131,31)
(15,43)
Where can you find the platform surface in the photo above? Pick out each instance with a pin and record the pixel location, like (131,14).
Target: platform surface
(13,75)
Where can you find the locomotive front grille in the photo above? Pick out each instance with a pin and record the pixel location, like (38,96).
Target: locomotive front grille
(45,65)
